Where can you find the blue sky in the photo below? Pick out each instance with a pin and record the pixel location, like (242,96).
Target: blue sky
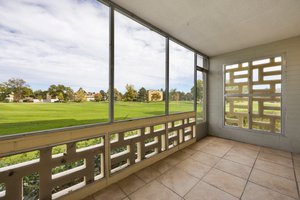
(66,42)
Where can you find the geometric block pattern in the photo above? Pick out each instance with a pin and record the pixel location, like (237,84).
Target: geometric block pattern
(54,170)
(50,176)
(133,146)
(252,94)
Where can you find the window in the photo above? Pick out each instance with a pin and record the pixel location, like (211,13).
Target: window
(181,81)
(139,70)
(201,88)
(54,67)
(252,94)
(54,59)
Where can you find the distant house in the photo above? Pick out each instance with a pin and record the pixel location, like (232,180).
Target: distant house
(48,99)
(10,98)
(154,95)
(90,96)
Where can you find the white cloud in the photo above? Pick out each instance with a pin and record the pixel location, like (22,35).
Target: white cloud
(51,42)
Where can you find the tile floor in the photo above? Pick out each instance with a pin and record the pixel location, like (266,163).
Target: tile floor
(213,169)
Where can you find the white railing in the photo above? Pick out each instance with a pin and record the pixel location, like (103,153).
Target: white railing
(56,164)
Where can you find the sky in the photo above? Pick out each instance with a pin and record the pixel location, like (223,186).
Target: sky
(67,42)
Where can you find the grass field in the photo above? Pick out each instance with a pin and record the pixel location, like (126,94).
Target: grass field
(27,117)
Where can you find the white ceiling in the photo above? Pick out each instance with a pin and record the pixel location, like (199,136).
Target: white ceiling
(219,26)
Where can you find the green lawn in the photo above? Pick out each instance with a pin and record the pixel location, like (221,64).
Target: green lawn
(27,117)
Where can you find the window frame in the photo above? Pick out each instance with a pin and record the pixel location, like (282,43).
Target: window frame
(205,70)
(282,96)
(111,66)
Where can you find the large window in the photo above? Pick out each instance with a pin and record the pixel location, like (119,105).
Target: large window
(56,67)
(252,94)
(139,70)
(54,64)
(181,80)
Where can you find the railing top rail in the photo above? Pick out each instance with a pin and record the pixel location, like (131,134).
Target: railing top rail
(28,142)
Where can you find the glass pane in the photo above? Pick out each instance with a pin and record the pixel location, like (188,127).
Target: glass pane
(54,63)
(236,79)
(139,70)
(202,62)
(181,79)
(236,111)
(201,92)
(266,112)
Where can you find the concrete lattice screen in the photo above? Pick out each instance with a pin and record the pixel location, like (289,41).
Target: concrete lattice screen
(90,158)
(252,94)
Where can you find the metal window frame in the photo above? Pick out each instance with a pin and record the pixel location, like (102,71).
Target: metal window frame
(115,7)
(250,96)
(112,8)
(204,71)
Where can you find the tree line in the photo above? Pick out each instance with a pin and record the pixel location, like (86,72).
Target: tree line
(22,92)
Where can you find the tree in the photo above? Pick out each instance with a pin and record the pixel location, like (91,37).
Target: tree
(98,97)
(3,92)
(16,86)
(117,95)
(174,95)
(39,94)
(155,96)
(103,95)
(130,94)
(200,90)
(60,97)
(142,95)
(27,92)
(80,95)
(61,90)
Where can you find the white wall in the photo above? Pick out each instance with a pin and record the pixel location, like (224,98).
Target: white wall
(291,140)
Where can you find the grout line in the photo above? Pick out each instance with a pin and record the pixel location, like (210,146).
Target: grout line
(276,156)
(273,190)
(212,167)
(250,173)
(297,185)
(199,179)
(277,174)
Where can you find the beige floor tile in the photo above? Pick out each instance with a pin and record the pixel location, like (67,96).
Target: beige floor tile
(154,191)
(216,148)
(165,164)
(199,145)
(205,158)
(89,198)
(276,159)
(256,192)
(204,191)
(276,183)
(226,182)
(221,140)
(234,168)
(297,171)
(180,155)
(112,192)
(131,184)
(148,174)
(194,168)
(296,159)
(239,157)
(178,181)
(245,151)
(126,198)
(189,150)
(275,169)
(248,146)
(276,152)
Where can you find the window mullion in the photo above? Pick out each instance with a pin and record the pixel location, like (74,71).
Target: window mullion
(250,98)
